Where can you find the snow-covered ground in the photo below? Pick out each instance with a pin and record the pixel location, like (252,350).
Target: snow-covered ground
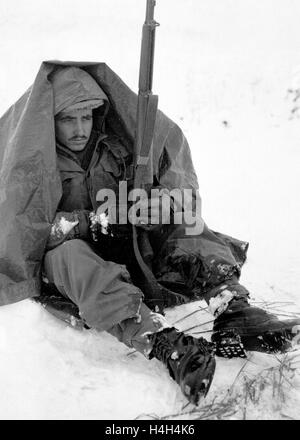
(222,71)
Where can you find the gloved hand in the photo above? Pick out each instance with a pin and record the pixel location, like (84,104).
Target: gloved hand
(99,224)
(150,213)
(67,226)
(100,227)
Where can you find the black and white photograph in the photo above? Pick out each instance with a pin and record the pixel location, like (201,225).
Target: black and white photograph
(149,212)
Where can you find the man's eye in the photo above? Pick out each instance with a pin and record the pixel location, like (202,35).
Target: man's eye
(65,119)
(87,118)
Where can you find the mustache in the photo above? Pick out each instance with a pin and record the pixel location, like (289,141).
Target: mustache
(78,138)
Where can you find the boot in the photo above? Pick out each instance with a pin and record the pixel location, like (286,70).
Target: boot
(190,361)
(244,327)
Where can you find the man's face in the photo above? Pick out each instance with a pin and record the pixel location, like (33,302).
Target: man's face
(73,128)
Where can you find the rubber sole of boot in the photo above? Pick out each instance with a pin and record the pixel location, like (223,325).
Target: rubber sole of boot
(234,342)
(228,345)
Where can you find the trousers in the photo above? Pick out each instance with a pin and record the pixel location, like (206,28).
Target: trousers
(106,298)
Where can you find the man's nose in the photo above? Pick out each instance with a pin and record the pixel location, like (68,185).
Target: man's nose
(79,130)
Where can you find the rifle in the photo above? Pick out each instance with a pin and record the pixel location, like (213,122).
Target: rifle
(143,172)
(143,175)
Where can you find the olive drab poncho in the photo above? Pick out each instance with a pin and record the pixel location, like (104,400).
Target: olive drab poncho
(30,186)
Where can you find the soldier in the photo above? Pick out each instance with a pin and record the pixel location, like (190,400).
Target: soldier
(88,259)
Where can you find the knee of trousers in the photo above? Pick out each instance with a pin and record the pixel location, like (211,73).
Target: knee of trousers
(72,249)
(60,263)
(101,289)
(75,245)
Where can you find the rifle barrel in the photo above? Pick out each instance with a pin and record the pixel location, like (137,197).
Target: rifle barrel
(150,9)
(147,50)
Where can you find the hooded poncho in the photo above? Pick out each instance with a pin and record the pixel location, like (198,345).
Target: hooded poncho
(30,186)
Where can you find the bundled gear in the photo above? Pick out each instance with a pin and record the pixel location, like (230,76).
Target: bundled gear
(245,327)
(190,361)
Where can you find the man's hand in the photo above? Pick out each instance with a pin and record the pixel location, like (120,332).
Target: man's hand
(150,213)
(67,226)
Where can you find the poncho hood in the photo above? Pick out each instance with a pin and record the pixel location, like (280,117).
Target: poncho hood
(74,88)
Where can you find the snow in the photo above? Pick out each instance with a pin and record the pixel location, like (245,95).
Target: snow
(222,72)
(219,303)
(63,227)
(100,219)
